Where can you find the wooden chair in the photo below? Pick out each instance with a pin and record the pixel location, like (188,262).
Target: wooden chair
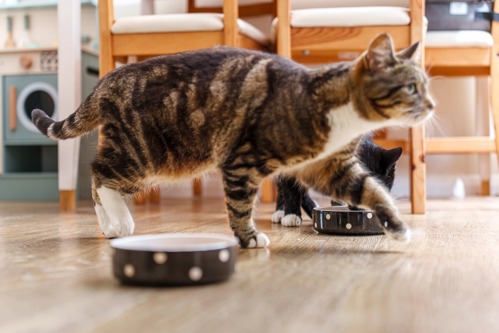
(151,35)
(247,8)
(468,53)
(338,32)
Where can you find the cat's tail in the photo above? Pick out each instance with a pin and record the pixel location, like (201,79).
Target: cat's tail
(78,123)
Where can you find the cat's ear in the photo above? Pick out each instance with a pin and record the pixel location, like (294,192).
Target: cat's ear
(393,155)
(380,53)
(413,52)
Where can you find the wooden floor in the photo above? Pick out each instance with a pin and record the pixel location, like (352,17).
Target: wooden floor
(55,275)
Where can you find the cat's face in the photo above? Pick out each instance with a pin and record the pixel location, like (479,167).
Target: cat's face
(391,85)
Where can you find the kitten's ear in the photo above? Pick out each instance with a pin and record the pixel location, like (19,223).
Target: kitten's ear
(413,52)
(380,53)
(393,155)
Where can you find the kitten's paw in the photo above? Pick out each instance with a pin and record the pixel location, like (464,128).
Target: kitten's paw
(277,216)
(291,220)
(259,240)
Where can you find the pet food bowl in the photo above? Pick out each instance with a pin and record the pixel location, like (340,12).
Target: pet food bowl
(344,221)
(174,259)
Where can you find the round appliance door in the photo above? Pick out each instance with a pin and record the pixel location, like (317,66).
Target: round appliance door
(36,95)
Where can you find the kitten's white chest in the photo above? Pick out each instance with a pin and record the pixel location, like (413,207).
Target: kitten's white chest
(346,125)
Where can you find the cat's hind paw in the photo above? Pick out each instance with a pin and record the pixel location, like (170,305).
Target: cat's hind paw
(277,216)
(291,220)
(258,241)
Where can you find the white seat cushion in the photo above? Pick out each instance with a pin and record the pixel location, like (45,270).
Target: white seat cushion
(461,38)
(299,4)
(182,23)
(219,3)
(349,17)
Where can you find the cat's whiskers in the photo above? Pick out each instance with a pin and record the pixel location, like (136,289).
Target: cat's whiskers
(433,126)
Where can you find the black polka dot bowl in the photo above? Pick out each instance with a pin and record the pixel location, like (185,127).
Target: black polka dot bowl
(174,259)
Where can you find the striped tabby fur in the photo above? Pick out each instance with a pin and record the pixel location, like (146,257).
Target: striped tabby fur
(245,113)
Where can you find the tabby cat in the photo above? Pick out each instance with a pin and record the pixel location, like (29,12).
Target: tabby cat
(248,114)
(379,162)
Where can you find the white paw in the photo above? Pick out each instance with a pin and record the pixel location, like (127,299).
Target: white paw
(116,227)
(291,220)
(261,240)
(277,216)
(402,236)
(104,223)
(114,217)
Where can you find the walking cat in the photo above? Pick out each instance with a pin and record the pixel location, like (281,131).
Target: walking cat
(377,161)
(246,113)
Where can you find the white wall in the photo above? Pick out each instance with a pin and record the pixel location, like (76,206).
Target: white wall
(43,24)
(455,116)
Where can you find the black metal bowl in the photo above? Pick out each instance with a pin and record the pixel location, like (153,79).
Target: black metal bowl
(174,259)
(344,221)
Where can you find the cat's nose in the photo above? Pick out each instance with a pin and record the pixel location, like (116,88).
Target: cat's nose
(430,105)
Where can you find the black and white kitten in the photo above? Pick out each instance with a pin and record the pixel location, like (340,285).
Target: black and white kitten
(291,194)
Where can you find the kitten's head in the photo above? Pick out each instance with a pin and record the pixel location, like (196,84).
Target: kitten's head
(390,85)
(379,161)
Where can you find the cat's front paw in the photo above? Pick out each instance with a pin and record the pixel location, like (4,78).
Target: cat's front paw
(401,234)
(398,231)
(291,220)
(277,216)
(113,228)
(118,230)
(393,225)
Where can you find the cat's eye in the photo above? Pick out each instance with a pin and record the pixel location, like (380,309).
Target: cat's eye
(411,88)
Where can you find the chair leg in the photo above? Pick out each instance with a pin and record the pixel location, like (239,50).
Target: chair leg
(418,170)
(197,187)
(494,95)
(154,195)
(268,191)
(482,128)
(139,198)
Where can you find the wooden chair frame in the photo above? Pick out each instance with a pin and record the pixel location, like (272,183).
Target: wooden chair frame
(117,47)
(320,45)
(255,9)
(471,61)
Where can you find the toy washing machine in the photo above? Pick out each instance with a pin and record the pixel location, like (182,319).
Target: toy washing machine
(25,93)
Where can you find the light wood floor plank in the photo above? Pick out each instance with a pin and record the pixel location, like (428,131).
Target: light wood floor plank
(55,274)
